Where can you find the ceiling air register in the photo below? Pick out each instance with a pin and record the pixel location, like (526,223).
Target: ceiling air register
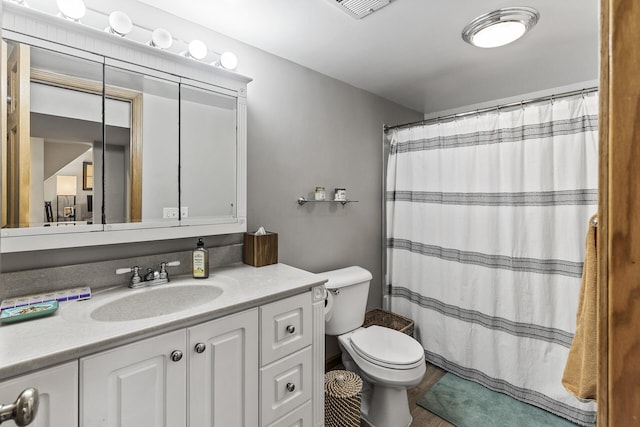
(358,9)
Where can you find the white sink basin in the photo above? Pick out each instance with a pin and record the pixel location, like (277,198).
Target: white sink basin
(153,302)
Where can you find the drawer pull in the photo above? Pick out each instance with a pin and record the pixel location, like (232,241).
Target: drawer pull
(200,347)
(291,329)
(176,355)
(291,387)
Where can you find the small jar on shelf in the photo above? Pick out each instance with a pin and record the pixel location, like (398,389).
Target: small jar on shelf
(320,194)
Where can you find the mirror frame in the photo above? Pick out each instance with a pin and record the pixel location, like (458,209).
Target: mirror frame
(39,29)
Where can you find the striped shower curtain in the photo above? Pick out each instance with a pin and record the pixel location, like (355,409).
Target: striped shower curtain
(486,223)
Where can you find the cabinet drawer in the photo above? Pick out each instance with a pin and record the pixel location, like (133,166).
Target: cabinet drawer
(301,417)
(285,385)
(285,327)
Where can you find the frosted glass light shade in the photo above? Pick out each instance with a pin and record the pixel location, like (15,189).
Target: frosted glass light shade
(66,185)
(499,34)
(72,10)
(229,60)
(197,50)
(119,24)
(161,39)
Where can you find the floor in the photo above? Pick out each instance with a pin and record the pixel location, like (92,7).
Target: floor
(422,417)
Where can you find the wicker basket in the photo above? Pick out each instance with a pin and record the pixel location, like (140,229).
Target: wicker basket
(342,399)
(390,320)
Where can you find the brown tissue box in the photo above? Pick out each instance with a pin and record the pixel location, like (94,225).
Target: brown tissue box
(260,250)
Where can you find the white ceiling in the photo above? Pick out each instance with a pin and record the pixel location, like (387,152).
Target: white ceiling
(411,51)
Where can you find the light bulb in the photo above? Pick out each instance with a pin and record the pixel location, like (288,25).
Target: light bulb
(229,61)
(72,10)
(197,50)
(161,39)
(119,24)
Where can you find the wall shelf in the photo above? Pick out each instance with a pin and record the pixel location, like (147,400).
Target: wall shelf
(303,200)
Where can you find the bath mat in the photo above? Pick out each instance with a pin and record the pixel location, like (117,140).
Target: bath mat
(468,404)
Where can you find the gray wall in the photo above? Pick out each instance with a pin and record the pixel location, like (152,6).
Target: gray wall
(304,130)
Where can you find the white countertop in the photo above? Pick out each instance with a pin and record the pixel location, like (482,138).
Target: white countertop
(71,333)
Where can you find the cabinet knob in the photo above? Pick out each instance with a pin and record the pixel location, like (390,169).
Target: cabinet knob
(291,329)
(23,410)
(200,347)
(291,387)
(176,355)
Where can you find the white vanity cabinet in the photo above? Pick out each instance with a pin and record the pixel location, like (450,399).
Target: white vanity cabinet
(58,390)
(286,372)
(204,376)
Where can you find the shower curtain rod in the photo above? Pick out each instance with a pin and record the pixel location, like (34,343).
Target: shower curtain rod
(497,107)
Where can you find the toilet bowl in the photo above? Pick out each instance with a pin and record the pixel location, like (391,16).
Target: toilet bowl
(388,361)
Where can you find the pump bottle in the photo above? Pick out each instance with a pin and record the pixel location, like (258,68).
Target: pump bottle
(200,261)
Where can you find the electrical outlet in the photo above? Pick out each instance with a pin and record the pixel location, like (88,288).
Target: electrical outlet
(170,213)
(184,212)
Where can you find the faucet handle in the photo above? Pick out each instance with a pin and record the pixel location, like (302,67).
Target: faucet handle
(169,264)
(126,270)
(135,279)
(163,268)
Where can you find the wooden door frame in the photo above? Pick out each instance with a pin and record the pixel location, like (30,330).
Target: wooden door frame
(619,213)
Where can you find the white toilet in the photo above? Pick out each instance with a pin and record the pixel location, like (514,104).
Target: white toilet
(388,361)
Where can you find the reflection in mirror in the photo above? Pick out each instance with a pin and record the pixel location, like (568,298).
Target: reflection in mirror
(54,126)
(208,152)
(141,157)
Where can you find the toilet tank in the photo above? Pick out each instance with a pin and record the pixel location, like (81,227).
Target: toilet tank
(348,290)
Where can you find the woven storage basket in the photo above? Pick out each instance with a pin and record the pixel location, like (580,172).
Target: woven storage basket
(390,320)
(342,399)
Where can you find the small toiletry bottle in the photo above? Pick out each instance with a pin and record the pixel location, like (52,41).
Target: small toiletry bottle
(319,194)
(200,261)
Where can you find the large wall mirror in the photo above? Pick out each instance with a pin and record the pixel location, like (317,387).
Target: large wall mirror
(54,138)
(101,151)
(208,154)
(141,158)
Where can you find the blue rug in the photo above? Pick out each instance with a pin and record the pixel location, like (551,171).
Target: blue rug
(468,404)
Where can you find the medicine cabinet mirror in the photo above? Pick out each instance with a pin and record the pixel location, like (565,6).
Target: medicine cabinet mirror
(53,117)
(101,151)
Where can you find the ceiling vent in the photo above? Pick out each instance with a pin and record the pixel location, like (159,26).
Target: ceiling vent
(360,8)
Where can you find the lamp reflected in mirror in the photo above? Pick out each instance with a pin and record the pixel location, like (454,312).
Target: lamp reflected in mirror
(66,191)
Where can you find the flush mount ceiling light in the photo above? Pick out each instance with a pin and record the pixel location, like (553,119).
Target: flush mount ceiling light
(500,27)
(73,10)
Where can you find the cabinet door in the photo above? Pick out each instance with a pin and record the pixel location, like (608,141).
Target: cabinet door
(223,373)
(58,390)
(136,385)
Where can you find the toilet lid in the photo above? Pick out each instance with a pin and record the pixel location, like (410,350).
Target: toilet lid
(387,347)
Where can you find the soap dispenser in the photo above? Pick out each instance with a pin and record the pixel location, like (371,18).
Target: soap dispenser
(200,261)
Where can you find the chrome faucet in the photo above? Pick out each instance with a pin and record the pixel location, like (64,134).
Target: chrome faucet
(152,277)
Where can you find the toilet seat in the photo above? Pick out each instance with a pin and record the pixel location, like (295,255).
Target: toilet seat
(387,348)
